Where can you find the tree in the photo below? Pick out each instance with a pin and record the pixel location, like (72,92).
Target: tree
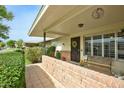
(2,44)
(19,43)
(11,43)
(4,15)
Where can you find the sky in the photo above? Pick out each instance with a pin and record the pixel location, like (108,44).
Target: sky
(24,16)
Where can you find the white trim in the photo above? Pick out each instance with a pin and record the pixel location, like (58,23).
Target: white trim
(40,14)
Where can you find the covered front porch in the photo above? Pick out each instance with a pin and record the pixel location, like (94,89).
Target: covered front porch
(91,36)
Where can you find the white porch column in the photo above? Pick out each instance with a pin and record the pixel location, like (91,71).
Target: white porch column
(81,47)
(102,45)
(91,45)
(116,46)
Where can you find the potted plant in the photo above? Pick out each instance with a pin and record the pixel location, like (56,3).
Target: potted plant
(58,55)
(51,51)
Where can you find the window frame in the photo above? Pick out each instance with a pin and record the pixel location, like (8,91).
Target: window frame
(118,47)
(96,43)
(87,46)
(116,44)
(109,37)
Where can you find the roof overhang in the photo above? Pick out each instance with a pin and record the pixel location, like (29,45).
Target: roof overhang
(63,20)
(52,16)
(40,14)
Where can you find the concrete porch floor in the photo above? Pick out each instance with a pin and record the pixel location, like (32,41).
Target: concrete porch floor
(100,69)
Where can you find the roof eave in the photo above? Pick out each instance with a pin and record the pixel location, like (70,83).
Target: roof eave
(38,17)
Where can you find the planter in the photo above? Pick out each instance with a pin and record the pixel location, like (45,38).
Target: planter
(118,68)
(81,63)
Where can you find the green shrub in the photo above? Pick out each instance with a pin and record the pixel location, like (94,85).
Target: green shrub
(19,43)
(51,51)
(34,54)
(12,70)
(58,55)
(19,50)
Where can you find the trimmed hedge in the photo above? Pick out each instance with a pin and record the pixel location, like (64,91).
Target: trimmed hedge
(12,70)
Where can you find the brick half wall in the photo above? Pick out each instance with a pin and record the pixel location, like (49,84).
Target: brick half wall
(72,76)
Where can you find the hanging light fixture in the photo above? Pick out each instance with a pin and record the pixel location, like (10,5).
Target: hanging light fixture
(80,25)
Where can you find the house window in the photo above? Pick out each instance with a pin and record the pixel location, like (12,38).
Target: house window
(97,45)
(120,45)
(106,45)
(109,45)
(87,45)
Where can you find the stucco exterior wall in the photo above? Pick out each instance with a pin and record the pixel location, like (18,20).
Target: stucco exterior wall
(65,41)
(62,41)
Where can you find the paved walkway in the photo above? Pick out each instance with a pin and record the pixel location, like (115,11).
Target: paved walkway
(37,78)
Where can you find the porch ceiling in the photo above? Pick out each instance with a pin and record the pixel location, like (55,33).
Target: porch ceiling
(62,20)
(54,15)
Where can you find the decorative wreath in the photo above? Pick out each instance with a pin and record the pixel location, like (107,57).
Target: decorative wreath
(74,44)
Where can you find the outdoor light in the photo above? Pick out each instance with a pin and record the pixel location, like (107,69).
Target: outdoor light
(122,31)
(80,25)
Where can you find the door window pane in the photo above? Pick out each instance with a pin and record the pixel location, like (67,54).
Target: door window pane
(121,45)
(97,45)
(109,45)
(87,45)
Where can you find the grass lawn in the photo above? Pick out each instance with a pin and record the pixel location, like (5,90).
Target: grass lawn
(27,61)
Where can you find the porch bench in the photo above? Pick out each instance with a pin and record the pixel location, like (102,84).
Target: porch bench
(100,61)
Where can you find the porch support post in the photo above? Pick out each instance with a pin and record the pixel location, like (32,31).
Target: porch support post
(116,46)
(102,45)
(44,36)
(91,45)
